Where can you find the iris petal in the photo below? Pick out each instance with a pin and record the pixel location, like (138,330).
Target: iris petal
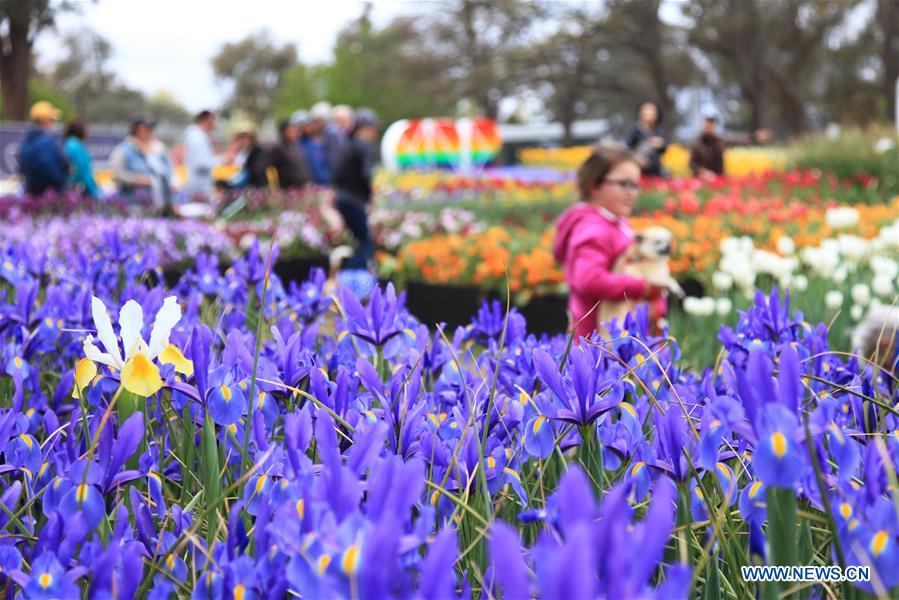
(166,319)
(105,333)
(131,321)
(140,376)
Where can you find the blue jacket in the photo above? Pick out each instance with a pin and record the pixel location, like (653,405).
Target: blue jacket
(42,162)
(317,159)
(82,171)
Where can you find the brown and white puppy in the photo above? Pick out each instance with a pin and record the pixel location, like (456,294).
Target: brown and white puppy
(647,259)
(876,337)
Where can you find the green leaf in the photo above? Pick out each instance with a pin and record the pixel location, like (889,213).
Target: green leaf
(209,466)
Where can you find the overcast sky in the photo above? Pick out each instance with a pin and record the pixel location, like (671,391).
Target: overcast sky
(168,44)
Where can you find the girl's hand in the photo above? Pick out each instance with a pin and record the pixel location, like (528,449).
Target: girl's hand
(653,291)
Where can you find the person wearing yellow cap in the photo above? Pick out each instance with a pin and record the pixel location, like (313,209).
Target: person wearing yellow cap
(42,161)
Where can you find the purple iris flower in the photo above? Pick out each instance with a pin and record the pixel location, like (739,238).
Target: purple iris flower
(376,323)
(780,456)
(49,580)
(583,395)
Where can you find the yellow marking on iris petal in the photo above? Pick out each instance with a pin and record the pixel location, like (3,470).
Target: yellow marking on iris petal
(371,415)
(172,355)
(170,562)
(342,335)
(845,510)
(28,474)
(538,424)
(454,425)
(140,376)
(698,493)
(30,412)
(232,428)
(715,424)
(18,362)
(239,591)
(301,508)
(226,393)
(523,397)
(323,561)
(722,468)
(85,371)
(25,438)
(853,524)
(410,333)
(879,543)
(778,444)
(491,462)
(261,400)
(638,468)
(349,563)
(260,483)
(837,433)
(433,419)
(435,497)
(209,577)
(43,469)
(640,359)
(242,385)
(45,580)
(754,489)
(629,409)
(57,482)
(855,485)
(512,472)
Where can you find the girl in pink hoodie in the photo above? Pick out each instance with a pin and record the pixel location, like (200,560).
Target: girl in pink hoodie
(594,233)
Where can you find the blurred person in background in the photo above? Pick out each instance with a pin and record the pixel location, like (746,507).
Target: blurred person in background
(336,132)
(81,167)
(42,161)
(353,186)
(141,166)
(199,156)
(313,144)
(286,156)
(707,153)
(647,140)
(250,157)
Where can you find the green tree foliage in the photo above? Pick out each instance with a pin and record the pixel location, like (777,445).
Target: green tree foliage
(254,67)
(303,86)
(389,70)
(20,23)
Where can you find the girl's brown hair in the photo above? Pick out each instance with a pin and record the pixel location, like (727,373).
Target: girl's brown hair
(603,158)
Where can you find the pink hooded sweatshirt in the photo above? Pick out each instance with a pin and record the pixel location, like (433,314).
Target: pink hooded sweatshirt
(587,244)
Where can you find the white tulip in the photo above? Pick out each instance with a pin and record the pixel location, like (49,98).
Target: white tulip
(839,276)
(723,306)
(799,283)
(882,285)
(861,294)
(856,312)
(706,306)
(884,145)
(833,299)
(785,245)
(691,305)
(722,281)
(842,217)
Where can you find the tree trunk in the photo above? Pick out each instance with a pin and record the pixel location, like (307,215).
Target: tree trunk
(888,18)
(15,65)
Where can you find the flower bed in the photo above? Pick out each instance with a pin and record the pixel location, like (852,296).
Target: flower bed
(260,442)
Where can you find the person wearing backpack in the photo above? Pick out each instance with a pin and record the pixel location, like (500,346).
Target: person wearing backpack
(42,161)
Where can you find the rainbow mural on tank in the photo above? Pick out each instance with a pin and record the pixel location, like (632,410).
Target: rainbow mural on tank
(440,144)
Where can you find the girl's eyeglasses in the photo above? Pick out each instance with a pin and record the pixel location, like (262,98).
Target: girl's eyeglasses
(627,186)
